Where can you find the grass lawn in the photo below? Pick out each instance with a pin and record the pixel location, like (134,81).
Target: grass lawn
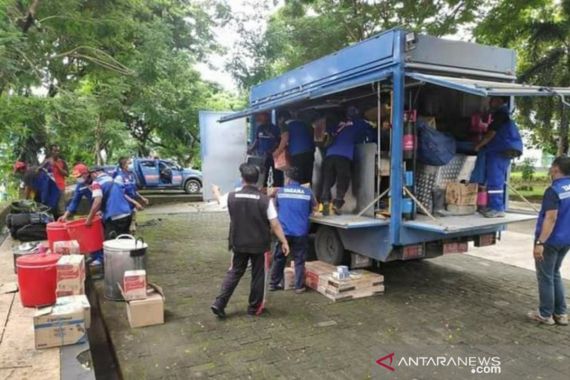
(539,183)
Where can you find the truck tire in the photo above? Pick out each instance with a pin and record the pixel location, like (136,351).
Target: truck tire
(192,186)
(329,247)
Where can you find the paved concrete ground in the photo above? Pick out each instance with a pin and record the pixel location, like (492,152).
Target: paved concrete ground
(456,305)
(18,357)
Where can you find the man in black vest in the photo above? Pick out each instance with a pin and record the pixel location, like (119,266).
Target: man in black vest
(252,218)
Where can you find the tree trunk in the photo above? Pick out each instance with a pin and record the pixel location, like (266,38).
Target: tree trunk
(98,160)
(563,133)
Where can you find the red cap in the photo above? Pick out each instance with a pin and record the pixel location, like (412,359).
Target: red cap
(79,170)
(19,165)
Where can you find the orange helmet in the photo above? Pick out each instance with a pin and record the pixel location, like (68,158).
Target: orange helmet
(79,170)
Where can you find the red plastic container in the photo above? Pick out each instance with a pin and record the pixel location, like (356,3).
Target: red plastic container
(37,279)
(90,238)
(56,231)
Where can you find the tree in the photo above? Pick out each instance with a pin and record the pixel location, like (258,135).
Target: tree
(540,32)
(304,30)
(104,78)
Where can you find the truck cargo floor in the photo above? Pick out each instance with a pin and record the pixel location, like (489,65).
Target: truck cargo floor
(452,224)
(349,221)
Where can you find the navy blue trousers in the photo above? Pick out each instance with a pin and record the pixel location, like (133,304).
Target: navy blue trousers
(298,246)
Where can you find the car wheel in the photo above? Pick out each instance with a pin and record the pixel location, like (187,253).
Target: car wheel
(328,245)
(192,186)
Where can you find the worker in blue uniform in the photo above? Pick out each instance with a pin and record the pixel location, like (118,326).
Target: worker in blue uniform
(125,178)
(297,139)
(109,198)
(266,141)
(295,204)
(340,143)
(552,243)
(82,189)
(40,186)
(501,144)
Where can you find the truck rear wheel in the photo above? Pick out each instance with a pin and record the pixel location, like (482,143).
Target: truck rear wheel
(329,247)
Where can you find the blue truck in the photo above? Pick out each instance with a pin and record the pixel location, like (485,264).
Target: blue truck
(395,74)
(158,174)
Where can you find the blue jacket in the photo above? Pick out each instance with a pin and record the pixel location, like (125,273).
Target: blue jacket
(295,204)
(300,137)
(508,136)
(345,135)
(267,139)
(114,202)
(81,190)
(46,190)
(126,180)
(561,234)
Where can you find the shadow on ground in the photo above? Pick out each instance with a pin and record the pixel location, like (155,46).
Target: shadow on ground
(454,306)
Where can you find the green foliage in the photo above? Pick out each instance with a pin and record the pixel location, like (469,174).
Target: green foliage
(540,32)
(105,78)
(527,169)
(303,30)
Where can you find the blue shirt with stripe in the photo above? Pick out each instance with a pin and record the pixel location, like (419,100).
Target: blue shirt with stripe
(294,206)
(81,190)
(114,202)
(126,180)
(345,135)
(559,199)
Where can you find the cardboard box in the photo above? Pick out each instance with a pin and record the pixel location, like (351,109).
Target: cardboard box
(149,311)
(80,301)
(460,194)
(289,278)
(70,275)
(66,247)
(59,325)
(317,274)
(134,285)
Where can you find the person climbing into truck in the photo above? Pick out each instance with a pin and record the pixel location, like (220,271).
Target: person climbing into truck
(125,178)
(295,204)
(340,142)
(552,243)
(297,139)
(266,141)
(252,219)
(110,199)
(499,146)
(82,189)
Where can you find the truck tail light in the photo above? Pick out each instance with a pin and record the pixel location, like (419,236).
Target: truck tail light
(413,252)
(485,240)
(455,247)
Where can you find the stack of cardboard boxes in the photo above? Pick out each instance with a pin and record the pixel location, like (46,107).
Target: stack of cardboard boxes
(321,277)
(67,321)
(145,302)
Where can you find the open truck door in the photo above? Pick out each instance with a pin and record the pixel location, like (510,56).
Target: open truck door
(223,149)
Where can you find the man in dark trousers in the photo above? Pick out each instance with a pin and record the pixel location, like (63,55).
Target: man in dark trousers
(295,205)
(552,243)
(252,218)
(337,166)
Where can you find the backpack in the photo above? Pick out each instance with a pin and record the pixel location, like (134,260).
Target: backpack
(31,232)
(434,147)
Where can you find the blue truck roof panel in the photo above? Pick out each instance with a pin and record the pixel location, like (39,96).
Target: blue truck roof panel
(435,51)
(374,52)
